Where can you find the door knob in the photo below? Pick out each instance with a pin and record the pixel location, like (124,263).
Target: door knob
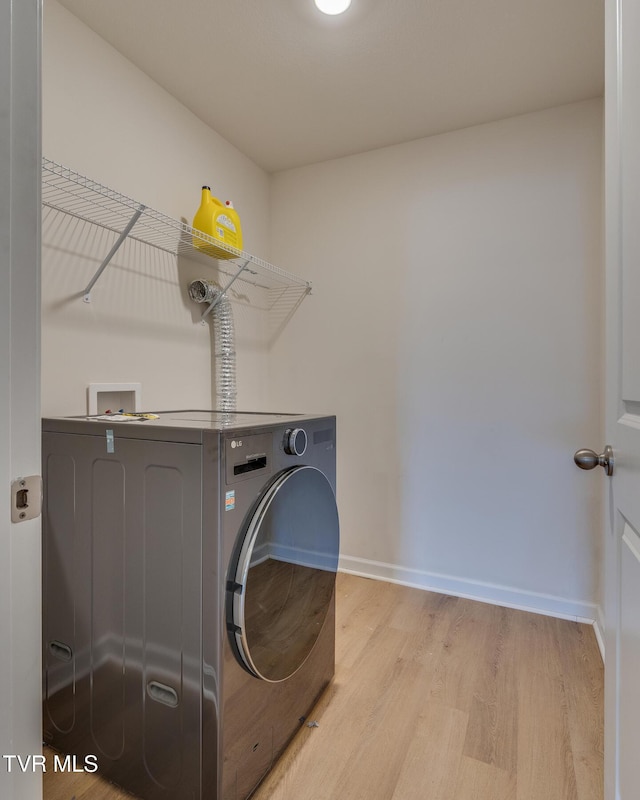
(589,459)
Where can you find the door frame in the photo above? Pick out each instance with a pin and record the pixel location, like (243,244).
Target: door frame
(622,491)
(20,543)
(613,341)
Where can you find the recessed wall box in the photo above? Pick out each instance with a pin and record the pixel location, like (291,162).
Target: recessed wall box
(103,397)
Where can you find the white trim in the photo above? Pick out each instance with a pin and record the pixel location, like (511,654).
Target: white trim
(598,629)
(507,596)
(304,558)
(631,420)
(20,542)
(632,540)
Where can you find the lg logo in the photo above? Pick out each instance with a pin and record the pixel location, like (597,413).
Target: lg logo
(235,443)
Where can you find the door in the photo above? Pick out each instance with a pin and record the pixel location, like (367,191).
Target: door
(20,680)
(622,546)
(284,574)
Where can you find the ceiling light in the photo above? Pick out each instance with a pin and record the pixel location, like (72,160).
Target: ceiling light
(333,6)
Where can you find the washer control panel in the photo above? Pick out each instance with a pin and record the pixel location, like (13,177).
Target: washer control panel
(295,441)
(247,456)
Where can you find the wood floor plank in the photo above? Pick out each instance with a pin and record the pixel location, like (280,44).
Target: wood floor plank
(383,744)
(461,654)
(58,785)
(492,730)
(545,762)
(431,620)
(431,765)
(360,608)
(438,698)
(354,712)
(580,655)
(480,781)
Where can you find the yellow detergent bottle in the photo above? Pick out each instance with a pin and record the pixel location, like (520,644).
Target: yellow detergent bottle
(203,220)
(219,221)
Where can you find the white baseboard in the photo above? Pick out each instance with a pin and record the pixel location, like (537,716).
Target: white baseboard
(507,596)
(598,627)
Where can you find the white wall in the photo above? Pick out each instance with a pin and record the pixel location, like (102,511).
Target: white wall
(455,330)
(455,325)
(107,120)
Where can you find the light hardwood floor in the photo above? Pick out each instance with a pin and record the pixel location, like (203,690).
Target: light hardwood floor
(439,698)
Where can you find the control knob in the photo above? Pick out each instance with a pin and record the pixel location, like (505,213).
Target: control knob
(295,442)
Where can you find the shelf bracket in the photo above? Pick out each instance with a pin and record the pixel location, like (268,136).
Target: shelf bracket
(222,292)
(112,252)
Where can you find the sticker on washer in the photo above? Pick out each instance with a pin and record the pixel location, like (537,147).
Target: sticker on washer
(230,500)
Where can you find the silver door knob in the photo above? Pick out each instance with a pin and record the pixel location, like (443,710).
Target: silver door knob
(589,459)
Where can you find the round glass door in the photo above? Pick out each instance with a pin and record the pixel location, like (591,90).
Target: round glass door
(285,573)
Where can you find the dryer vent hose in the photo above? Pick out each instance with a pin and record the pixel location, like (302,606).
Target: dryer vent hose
(202,291)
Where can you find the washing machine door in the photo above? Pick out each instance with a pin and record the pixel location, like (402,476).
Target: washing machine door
(285,573)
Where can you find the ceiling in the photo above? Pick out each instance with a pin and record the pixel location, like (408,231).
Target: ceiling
(289,86)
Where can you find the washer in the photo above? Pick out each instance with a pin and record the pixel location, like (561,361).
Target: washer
(188,594)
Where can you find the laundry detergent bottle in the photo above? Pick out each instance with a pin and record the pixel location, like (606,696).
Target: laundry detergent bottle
(219,221)
(234,229)
(203,220)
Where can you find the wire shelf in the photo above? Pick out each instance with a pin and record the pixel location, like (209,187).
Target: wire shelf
(79,196)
